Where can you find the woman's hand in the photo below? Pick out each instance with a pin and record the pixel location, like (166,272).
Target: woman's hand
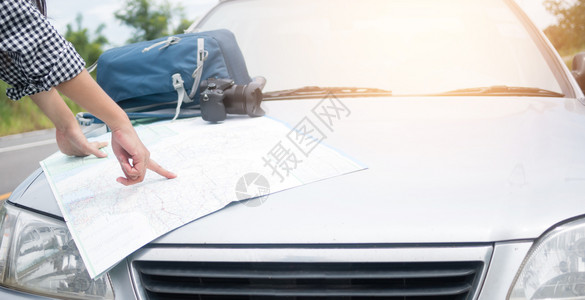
(133,156)
(71,141)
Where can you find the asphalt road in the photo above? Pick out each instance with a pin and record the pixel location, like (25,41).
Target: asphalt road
(20,155)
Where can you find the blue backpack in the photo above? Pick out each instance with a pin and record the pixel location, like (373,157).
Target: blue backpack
(149,79)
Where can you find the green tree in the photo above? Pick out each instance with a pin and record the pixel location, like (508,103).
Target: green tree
(569,34)
(89,48)
(151,20)
(183,25)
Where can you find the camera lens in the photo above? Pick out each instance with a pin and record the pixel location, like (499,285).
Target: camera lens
(245,99)
(222,96)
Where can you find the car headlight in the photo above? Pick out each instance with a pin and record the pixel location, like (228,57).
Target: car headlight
(38,255)
(555,266)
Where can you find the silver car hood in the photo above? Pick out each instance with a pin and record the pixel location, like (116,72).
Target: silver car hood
(440,170)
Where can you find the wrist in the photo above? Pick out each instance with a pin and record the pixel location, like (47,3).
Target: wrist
(119,121)
(66,124)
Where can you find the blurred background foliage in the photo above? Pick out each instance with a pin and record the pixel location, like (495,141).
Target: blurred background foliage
(568,35)
(151,19)
(148,18)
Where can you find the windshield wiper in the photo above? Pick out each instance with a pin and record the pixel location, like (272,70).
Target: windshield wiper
(317,91)
(502,90)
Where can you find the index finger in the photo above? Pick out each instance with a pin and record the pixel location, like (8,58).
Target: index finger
(153,166)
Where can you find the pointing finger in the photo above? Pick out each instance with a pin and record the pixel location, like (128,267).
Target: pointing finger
(153,166)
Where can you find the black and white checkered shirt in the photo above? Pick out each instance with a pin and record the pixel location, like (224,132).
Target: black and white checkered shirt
(33,56)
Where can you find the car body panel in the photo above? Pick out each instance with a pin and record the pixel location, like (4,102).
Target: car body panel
(440,170)
(506,260)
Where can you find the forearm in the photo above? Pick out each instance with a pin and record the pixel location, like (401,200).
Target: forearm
(70,138)
(84,91)
(55,108)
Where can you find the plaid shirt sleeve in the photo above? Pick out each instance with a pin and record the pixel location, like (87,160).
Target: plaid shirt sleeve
(34,57)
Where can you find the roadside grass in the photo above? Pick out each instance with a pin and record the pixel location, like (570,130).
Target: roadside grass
(23,115)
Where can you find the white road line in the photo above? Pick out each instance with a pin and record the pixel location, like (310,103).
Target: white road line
(26,146)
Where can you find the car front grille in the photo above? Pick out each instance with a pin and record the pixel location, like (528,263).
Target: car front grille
(308,280)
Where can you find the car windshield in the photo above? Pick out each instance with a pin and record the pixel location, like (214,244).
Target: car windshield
(403,46)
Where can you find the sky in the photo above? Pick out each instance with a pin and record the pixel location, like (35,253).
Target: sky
(63,12)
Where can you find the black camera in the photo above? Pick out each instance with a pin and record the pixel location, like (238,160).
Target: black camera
(223,96)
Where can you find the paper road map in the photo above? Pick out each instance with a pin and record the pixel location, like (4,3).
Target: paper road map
(109,221)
